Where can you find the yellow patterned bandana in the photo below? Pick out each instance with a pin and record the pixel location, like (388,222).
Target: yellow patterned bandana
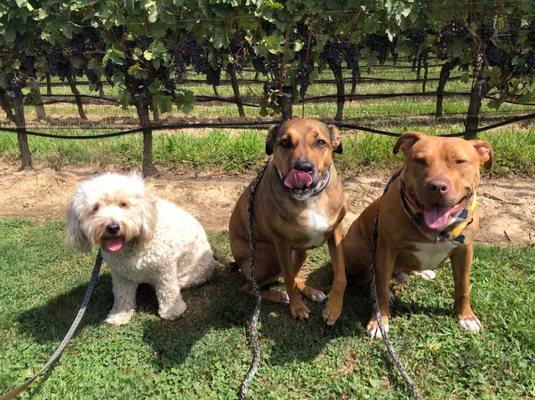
(453,232)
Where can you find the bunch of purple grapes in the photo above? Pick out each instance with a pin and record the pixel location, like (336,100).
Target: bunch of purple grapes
(352,55)
(453,30)
(58,64)
(333,54)
(303,56)
(15,84)
(379,44)
(417,37)
(258,62)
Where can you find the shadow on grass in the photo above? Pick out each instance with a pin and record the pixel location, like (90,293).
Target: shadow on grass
(218,305)
(51,321)
(221,305)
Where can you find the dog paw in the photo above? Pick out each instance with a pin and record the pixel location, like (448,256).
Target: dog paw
(119,318)
(373,329)
(173,312)
(284,298)
(427,275)
(317,295)
(332,310)
(471,323)
(299,310)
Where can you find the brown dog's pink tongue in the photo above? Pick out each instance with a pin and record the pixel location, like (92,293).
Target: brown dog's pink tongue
(114,244)
(297,179)
(437,217)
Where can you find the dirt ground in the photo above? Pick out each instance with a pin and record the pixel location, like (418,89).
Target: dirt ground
(508,205)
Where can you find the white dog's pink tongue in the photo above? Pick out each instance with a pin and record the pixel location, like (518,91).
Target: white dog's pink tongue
(297,179)
(437,217)
(114,244)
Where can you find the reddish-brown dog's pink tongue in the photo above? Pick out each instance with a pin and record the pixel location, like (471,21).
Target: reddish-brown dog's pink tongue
(297,179)
(114,244)
(437,217)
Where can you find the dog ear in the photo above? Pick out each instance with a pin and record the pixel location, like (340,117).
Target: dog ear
(484,150)
(336,138)
(406,141)
(75,235)
(149,218)
(272,138)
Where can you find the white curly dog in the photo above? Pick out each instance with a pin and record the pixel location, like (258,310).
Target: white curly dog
(144,239)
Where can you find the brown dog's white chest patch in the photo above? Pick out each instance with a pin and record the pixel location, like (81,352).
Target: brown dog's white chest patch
(316,225)
(430,255)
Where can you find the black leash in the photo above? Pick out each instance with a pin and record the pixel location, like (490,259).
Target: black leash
(373,291)
(57,354)
(253,329)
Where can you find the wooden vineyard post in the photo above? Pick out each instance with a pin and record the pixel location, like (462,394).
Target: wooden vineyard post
(479,90)
(142,107)
(286,103)
(36,96)
(76,93)
(48,84)
(340,93)
(236,89)
(22,138)
(442,80)
(355,76)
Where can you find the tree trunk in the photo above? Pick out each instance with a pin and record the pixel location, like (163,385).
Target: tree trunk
(236,89)
(76,93)
(426,70)
(155,113)
(419,67)
(22,138)
(287,103)
(36,95)
(340,94)
(355,76)
(442,80)
(216,92)
(48,84)
(101,90)
(480,89)
(148,167)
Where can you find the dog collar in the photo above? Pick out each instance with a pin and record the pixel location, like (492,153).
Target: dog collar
(322,184)
(453,232)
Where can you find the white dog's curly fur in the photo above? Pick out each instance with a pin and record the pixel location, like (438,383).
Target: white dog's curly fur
(144,239)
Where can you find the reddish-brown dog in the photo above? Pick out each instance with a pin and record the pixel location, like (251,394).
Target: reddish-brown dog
(299,204)
(428,213)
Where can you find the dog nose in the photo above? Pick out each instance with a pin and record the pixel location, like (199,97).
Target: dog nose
(112,228)
(305,166)
(438,187)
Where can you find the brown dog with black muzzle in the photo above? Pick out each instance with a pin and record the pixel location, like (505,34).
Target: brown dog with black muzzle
(299,204)
(428,213)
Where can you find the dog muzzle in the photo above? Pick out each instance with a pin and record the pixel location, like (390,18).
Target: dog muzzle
(300,183)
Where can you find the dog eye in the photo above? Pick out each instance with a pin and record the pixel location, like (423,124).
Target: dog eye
(95,208)
(285,143)
(420,160)
(123,204)
(460,161)
(321,143)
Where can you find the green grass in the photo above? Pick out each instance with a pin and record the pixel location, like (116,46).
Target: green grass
(236,152)
(204,354)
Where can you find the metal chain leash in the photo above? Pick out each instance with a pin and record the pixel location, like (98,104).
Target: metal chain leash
(253,328)
(57,354)
(373,291)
